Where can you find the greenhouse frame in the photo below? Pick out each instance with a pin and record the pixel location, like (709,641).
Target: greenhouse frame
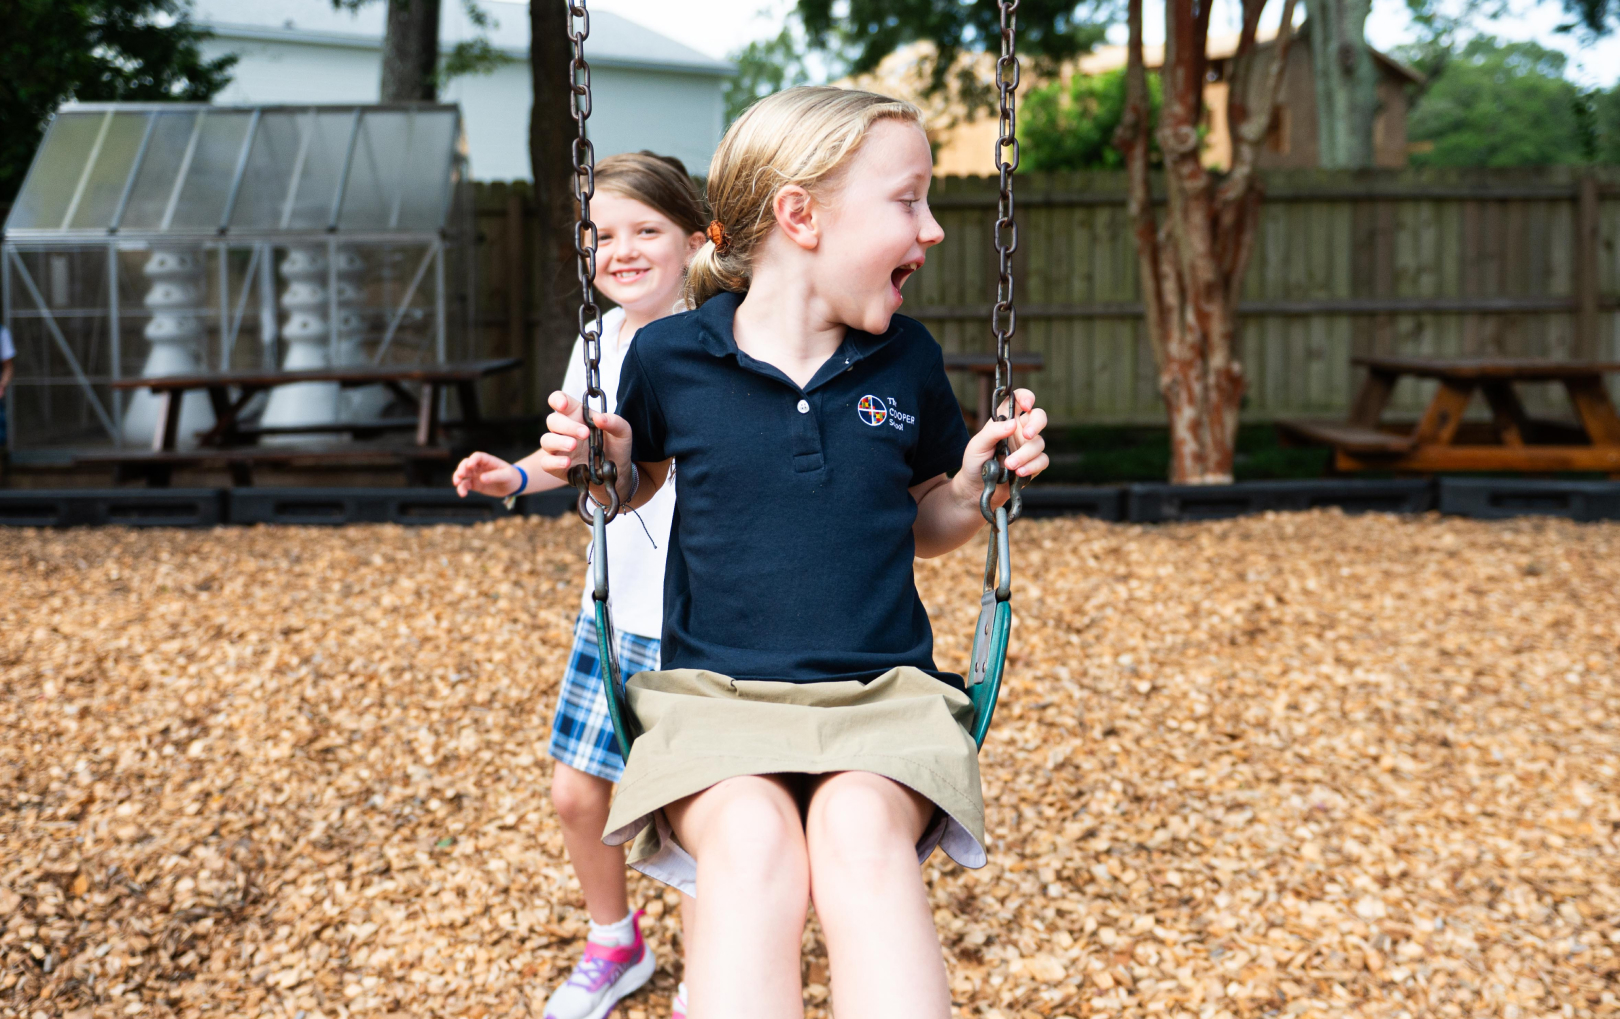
(147,240)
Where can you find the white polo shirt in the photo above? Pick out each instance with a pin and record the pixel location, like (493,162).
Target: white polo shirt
(637,541)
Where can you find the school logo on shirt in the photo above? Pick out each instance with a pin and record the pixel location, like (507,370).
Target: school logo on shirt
(874,410)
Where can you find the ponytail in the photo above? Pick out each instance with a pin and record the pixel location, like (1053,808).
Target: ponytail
(709,273)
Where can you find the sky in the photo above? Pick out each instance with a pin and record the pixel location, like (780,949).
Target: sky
(727,25)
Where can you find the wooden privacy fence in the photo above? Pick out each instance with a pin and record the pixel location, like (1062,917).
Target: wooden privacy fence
(1495,262)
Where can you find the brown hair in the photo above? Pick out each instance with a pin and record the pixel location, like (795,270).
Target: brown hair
(798,136)
(659,182)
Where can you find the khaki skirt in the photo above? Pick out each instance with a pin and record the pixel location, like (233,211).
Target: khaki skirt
(700,728)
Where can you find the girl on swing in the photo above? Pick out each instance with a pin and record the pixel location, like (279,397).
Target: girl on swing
(799,745)
(649,222)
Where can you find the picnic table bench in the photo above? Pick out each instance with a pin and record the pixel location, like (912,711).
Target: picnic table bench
(984,366)
(232,443)
(1442,441)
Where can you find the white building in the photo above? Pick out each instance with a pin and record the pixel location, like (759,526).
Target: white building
(650,91)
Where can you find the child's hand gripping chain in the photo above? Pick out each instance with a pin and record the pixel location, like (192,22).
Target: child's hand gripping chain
(565,443)
(949,512)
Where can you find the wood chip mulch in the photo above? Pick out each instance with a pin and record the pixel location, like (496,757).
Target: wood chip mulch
(1304,765)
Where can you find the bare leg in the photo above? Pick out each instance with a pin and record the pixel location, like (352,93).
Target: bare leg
(582,802)
(862,831)
(753,877)
(688,922)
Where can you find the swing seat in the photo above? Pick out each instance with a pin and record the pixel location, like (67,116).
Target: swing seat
(612,683)
(989,662)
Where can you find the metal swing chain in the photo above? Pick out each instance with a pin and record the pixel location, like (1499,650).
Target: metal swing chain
(1004,319)
(597,470)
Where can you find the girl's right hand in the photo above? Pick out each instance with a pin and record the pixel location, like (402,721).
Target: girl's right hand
(486,475)
(565,445)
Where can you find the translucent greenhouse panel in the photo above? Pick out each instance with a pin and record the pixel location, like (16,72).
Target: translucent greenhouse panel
(104,180)
(214,148)
(314,177)
(54,177)
(160,170)
(400,179)
(64,347)
(271,167)
(381,152)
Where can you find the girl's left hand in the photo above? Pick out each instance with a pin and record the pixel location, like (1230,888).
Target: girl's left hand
(1026,455)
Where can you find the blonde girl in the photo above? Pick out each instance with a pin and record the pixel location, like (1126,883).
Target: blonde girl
(800,745)
(649,222)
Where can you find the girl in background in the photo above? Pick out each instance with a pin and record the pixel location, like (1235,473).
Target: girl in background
(649,221)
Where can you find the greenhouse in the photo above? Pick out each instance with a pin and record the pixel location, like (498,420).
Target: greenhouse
(165,238)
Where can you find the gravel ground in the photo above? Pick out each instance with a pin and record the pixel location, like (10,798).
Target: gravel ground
(1293,764)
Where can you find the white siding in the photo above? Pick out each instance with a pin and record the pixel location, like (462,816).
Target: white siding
(279,72)
(495,109)
(681,115)
(670,112)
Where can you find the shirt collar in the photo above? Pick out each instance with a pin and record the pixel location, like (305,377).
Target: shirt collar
(718,313)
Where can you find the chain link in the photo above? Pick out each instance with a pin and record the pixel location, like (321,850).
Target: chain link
(597,470)
(1004,319)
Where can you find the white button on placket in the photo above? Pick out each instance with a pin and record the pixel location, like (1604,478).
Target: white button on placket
(804,406)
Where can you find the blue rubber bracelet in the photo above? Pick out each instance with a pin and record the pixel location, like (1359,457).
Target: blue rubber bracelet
(524,475)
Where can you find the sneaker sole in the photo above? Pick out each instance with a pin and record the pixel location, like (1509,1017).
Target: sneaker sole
(630,983)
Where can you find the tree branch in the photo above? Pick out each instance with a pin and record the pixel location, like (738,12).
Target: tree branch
(1132,140)
(1238,197)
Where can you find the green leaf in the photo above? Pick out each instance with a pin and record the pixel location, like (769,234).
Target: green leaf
(472,56)
(766,66)
(1070,126)
(1503,104)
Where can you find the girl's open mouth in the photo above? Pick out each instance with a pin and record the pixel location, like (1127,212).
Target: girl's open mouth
(627,276)
(898,277)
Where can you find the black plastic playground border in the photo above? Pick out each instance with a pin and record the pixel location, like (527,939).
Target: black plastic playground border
(1484,498)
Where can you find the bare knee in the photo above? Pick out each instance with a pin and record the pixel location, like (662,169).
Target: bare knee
(748,831)
(580,798)
(866,828)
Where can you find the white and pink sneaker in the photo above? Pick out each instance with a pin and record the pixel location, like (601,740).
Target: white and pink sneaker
(677,1010)
(605,974)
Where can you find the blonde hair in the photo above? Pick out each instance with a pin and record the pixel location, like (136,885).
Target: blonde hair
(798,136)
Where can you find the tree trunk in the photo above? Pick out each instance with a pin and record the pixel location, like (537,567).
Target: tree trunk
(551,135)
(410,59)
(1193,261)
(1346,82)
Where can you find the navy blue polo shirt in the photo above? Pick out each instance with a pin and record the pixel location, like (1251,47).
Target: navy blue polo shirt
(791,553)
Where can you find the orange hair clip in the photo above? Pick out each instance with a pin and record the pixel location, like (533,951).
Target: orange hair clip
(719,237)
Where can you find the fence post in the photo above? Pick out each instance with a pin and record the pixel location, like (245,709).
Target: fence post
(517,289)
(1586,268)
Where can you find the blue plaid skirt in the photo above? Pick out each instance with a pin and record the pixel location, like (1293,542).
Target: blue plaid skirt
(581,731)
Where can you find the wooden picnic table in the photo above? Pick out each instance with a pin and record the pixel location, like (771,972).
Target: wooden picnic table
(984,366)
(1441,441)
(232,443)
